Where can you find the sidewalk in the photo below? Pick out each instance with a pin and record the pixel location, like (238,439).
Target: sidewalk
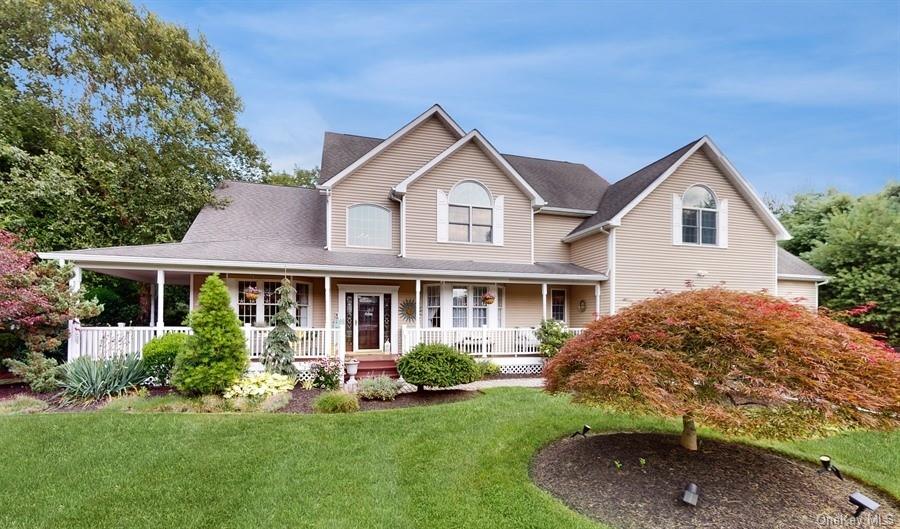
(503,382)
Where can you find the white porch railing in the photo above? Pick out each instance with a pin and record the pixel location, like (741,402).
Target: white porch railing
(106,342)
(480,342)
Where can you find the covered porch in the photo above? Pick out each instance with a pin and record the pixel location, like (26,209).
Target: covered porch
(341,316)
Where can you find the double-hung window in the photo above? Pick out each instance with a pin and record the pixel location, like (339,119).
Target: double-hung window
(433,306)
(302,304)
(460,296)
(471,214)
(699,217)
(247,306)
(558,304)
(270,301)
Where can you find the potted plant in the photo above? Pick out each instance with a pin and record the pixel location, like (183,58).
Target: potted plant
(352,367)
(488,298)
(251,293)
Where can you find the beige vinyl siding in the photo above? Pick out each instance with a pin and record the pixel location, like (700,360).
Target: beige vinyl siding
(801,292)
(548,233)
(523,305)
(372,183)
(647,260)
(468,163)
(590,252)
(579,293)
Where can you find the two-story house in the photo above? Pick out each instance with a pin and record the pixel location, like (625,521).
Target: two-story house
(433,235)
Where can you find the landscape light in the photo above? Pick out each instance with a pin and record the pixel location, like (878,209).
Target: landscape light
(862,503)
(691,494)
(828,466)
(584,431)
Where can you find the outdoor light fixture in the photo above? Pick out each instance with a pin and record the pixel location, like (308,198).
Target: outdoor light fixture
(862,503)
(691,494)
(584,431)
(827,466)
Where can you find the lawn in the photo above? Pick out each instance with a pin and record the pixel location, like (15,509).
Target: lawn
(456,465)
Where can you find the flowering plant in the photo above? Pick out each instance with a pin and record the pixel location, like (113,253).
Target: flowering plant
(259,385)
(326,373)
(251,293)
(488,298)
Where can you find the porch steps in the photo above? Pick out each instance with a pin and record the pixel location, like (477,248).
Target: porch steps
(373,367)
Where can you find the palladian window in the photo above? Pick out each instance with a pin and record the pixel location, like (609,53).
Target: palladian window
(471,213)
(699,216)
(368,226)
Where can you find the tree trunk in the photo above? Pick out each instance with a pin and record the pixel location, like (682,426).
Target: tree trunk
(689,433)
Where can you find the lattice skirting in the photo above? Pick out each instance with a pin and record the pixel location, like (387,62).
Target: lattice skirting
(304,373)
(519,366)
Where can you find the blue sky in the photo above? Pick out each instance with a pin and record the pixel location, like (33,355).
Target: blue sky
(800,96)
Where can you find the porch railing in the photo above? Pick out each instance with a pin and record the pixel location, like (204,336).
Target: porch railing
(483,342)
(107,342)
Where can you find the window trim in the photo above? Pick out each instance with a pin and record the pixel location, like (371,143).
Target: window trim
(470,207)
(700,211)
(565,304)
(390,229)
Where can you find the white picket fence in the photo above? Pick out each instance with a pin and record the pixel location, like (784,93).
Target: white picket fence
(106,342)
(480,342)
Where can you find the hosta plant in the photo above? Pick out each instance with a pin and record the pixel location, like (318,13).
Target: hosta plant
(260,386)
(89,379)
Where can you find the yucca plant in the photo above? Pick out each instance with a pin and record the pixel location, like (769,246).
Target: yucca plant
(88,379)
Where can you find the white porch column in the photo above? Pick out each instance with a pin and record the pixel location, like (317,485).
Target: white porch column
(493,319)
(418,304)
(152,305)
(160,300)
(72,346)
(597,301)
(75,282)
(191,294)
(543,301)
(329,331)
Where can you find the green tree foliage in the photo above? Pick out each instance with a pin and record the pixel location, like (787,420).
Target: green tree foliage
(216,354)
(856,241)
(552,335)
(115,126)
(279,353)
(296,178)
(159,355)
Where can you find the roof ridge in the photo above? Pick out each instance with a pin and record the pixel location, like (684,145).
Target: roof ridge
(354,135)
(267,184)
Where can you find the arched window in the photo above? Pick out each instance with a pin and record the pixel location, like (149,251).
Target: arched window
(368,226)
(699,212)
(471,217)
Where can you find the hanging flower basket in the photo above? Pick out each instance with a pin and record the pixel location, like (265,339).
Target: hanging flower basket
(488,298)
(251,293)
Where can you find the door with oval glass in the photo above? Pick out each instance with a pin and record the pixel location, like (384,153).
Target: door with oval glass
(368,322)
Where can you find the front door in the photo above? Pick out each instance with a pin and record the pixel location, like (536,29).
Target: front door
(368,322)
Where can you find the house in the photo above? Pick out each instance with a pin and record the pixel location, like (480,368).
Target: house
(433,235)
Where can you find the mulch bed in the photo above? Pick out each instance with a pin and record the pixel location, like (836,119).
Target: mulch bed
(302,400)
(740,486)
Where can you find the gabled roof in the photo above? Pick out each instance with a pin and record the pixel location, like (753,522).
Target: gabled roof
(624,195)
(561,184)
(792,267)
(434,111)
(253,211)
(478,139)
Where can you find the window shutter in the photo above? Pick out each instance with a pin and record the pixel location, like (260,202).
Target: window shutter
(443,228)
(676,219)
(498,221)
(723,224)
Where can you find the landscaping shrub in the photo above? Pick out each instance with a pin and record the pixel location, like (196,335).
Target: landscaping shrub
(160,354)
(552,336)
(336,402)
(89,379)
(487,368)
(275,402)
(704,354)
(326,373)
(278,356)
(381,387)
(39,372)
(260,386)
(22,404)
(216,354)
(437,365)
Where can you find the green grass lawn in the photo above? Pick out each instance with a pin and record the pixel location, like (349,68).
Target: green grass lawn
(450,466)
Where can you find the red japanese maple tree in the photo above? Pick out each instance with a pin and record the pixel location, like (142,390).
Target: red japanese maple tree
(741,362)
(35,300)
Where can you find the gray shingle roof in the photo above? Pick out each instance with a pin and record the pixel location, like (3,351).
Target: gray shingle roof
(621,193)
(561,184)
(294,255)
(253,210)
(790,264)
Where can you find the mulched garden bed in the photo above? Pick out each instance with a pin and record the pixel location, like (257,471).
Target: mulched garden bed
(740,486)
(302,400)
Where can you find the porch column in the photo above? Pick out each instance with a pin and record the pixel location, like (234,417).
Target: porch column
(72,346)
(543,301)
(160,300)
(152,305)
(418,304)
(328,325)
(597,301)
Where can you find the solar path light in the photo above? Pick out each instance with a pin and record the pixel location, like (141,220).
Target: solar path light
(691,494)
(863,503)
(828,466)
(584,431)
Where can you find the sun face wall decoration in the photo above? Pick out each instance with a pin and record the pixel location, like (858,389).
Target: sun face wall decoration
(408,310)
